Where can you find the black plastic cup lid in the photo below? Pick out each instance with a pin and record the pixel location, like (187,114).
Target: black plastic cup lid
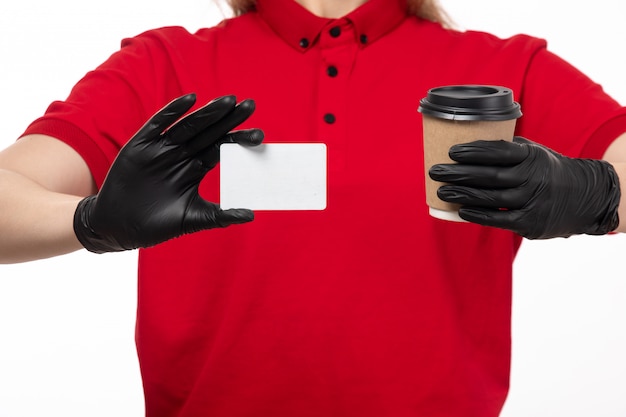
(470,102)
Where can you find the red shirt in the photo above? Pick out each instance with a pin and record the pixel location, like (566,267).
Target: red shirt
(370,307)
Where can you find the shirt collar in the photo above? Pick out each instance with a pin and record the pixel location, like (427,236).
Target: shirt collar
(300,28)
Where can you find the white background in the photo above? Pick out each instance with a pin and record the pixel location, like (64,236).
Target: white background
(66,324)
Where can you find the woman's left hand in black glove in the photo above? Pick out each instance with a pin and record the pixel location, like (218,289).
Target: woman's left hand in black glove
(527,188)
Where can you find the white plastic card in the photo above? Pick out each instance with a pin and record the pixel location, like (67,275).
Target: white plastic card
(273,176)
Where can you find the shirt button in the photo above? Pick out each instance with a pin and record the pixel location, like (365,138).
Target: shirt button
(329,118)
(335,31)
(363,39)
(304,42)
(332,71)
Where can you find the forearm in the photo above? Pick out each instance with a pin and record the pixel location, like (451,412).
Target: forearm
(620,169)
(35,223)
(616,156)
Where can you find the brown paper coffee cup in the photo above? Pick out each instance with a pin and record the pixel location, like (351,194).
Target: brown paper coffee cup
(461,114)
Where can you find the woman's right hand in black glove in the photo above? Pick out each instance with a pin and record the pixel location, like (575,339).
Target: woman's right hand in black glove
(150,194)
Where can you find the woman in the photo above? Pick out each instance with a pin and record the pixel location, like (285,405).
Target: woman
(345,311)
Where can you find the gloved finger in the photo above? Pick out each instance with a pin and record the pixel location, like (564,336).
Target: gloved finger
(234,216)
(512,198)
(488,152)
(530,144)
(187,128)
(477,175)
(164,118)
(203,214)
(217,131)
(245,137)
(503,219)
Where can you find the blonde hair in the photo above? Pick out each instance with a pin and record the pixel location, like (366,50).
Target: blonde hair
(426,9)
(429,10)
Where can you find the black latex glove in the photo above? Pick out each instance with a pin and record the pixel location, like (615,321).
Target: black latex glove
(527,188)
(150,193)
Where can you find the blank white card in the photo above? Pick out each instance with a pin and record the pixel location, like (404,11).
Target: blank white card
(273,176)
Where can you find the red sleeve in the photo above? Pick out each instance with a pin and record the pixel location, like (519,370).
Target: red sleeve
(107,106)
(565,110)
